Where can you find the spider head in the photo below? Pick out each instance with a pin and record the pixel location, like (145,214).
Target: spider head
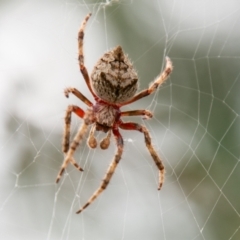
(114,79)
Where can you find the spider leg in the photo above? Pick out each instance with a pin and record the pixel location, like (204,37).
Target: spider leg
(88,119)
(110,171)
(78,94)
(145,113)
(66,135)
(152,88)
(156,158)
(81,54)
(69,156)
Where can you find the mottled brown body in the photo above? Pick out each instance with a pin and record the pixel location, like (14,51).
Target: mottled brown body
(106,114)
(114,79)
(113,84)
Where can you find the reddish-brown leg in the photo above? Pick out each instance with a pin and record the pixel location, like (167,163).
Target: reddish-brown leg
(69,155)
(110,171)
(66,134)
(156,158)
(88,119)
(147,114)
(152,88)
(78,94)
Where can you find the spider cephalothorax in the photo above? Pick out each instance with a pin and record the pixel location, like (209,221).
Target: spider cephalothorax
(106,114)
(113,84)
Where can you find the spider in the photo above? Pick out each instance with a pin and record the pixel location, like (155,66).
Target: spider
(113,84)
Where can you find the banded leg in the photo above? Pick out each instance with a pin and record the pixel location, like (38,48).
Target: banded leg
(78,94)
(66,134)
(145,113)
(110,171)
(69,156)
(152,88)
(81,54)
(66,139)
(156,158)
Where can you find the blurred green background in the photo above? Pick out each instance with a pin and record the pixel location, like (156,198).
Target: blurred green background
(195,127)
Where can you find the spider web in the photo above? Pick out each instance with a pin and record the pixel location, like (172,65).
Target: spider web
(195,128)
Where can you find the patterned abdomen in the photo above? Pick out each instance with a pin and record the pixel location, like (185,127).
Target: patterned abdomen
(114,79)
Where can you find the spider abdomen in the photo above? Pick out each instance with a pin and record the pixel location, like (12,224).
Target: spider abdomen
(114,79)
